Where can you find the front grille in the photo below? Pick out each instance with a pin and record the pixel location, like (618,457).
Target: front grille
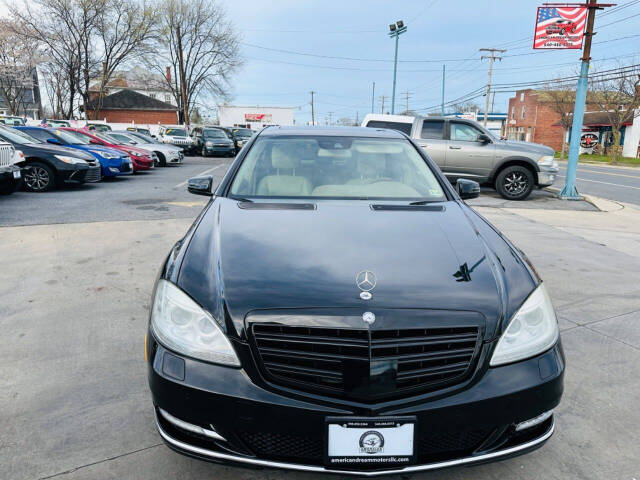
(284,446)
(6,155)
(93,175)
(312,358)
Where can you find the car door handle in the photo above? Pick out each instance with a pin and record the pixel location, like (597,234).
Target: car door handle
(454,147)
(424,145)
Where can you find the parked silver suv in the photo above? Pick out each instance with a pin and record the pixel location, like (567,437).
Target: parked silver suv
(464,149)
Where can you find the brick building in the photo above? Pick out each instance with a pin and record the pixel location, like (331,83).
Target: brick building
(532,119)
(127,106)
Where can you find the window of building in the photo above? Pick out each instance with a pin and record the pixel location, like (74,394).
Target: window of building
(513,113)
(167,97)
(522,97)
(152,95)
(524,110)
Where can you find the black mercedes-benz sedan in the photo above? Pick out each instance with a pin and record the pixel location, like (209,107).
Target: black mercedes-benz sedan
(337,307)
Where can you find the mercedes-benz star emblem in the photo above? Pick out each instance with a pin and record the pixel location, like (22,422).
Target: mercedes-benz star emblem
(366,280)
(368,318)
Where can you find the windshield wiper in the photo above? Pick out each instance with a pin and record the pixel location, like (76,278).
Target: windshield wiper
(422,202)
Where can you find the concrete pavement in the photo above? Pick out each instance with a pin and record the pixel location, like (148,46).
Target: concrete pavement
(74,307)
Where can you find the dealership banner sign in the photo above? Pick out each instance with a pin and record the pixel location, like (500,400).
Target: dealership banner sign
(257,117)
(560,27)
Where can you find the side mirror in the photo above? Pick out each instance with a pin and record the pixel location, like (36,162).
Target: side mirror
(94,141)
(54,141)
(467,189)
(484,138)
(201,185)
(133,142)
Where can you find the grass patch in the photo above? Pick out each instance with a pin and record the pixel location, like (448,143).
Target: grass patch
(585,158)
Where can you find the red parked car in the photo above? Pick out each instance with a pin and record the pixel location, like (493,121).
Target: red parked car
(562,27)
(142,159)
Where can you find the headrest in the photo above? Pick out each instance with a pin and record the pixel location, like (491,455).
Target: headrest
(283,157)
(371,165)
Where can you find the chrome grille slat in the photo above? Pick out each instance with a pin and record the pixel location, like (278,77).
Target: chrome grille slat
(6,155)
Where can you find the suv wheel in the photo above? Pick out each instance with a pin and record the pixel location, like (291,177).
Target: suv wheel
(38,177)
(515,182)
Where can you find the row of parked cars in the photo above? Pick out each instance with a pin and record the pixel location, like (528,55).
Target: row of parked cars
(39,158)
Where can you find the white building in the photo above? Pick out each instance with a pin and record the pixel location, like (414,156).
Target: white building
(254,117)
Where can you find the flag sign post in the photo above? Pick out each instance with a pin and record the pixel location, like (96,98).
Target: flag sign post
(563,26)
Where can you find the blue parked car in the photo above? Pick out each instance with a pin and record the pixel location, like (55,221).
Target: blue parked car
(112,162)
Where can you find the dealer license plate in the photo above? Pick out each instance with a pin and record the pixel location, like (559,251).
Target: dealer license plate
(16,174)
(370,442)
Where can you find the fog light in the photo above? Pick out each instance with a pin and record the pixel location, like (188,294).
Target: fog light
(532,422)
(113,170)
(191,427)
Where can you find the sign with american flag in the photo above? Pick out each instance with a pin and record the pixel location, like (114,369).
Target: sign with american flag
(560,27)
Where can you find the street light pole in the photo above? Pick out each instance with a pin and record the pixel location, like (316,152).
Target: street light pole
(395,30)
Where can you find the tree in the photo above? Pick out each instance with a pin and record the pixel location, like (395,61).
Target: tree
(561,98)
(465,107)
(619,98)
(201,48)
(18,59)
(124,29)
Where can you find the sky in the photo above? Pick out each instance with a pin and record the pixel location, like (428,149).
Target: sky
(439,32)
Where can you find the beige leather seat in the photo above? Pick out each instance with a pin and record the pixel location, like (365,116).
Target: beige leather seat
(370,167)
(284,183)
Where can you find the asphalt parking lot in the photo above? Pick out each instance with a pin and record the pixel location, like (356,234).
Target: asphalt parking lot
(78,267)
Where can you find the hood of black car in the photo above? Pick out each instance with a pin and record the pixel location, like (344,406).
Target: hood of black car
(245,257)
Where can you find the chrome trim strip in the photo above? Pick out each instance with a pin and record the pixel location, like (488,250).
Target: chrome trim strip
(190,427)
(313,468)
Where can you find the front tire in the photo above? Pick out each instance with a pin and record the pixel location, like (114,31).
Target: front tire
(515,182)
(162,160)
(39,177)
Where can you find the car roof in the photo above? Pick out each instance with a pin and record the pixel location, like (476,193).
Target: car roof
(332,132)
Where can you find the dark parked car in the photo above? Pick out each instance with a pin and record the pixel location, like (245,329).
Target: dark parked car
(47,166)
(337,307)
(240,136)
(213,141)
(113,162)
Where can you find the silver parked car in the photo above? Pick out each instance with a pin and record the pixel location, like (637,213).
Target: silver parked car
(464,149)
(167,154)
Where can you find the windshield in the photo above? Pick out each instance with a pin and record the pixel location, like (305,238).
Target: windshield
(176,132)
(143,137)
(242,132)
(16,136)
(214,133)
(107,138)
(123,137)
(336,167)
(99,127)
(72,139)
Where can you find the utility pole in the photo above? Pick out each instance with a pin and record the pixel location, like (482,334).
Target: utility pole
(442,104)
(183,88)
(330,117)
(492,57)
(313,117)
(493,101)
(357,118)
(396,29)
(373,96)
(407,95)
(569,192)
(382,97)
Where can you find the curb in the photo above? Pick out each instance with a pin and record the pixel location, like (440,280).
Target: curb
(602,204)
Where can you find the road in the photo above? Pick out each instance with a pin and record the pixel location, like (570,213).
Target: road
(154,194)
(613,183)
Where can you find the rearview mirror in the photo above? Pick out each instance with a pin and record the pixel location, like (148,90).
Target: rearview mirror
(201,185)
(484,138)
(54,141)
(467,188)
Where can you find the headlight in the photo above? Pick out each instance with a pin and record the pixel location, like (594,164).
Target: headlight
(546,161)
(182,325)
(532,330)
(73,160)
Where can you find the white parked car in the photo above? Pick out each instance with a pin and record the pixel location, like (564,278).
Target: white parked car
(178,136)
(167,154)
(10,174)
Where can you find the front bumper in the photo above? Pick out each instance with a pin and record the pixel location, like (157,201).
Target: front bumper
(265,428)
(142,163)
(547,175)
(82,174)
(10,174)
(174,157)
(220,150)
